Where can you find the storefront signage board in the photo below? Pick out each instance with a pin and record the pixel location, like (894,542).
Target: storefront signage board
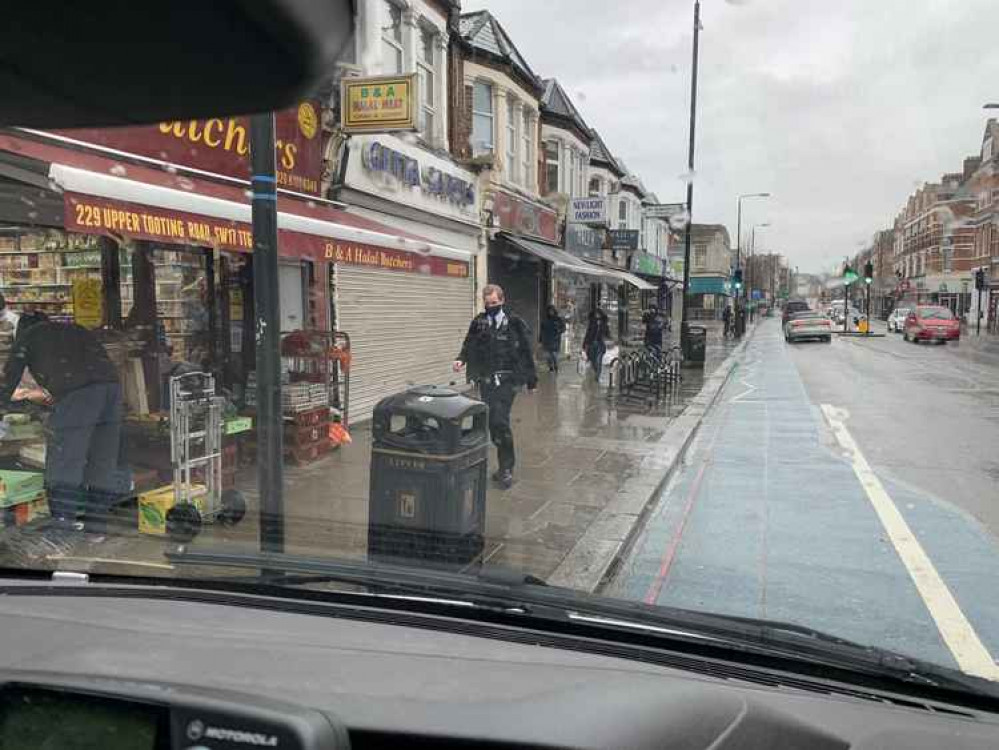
(646,264)
(623,239)
(583,241)
(520,217)
(663,210)
(387,167)
(591,211)
(378,104)
(221,145)
(93,215)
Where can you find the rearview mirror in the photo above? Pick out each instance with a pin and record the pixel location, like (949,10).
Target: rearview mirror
(122,62)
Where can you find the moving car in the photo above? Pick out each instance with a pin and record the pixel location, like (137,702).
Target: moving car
(896,321)
(931,323)
(808,325)
(791,307)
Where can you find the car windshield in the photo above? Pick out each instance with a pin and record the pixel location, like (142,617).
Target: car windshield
(935,313)
(506,292)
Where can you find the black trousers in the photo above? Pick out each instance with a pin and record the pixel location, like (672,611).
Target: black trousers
(499,399)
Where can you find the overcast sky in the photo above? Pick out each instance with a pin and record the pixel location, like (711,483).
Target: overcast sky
(840,108)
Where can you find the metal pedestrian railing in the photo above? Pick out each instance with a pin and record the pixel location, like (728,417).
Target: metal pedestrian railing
(645,373)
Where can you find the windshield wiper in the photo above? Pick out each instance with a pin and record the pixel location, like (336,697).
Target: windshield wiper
(512,592)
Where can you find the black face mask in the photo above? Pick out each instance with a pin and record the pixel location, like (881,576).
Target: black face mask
(493,310)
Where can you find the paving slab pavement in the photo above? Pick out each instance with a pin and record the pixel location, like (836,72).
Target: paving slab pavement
(588,466)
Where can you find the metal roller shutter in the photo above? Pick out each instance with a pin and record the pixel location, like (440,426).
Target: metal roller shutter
(405,329)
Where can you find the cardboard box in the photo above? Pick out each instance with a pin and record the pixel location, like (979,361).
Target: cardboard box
(17,487)
(25,512)
(154,505)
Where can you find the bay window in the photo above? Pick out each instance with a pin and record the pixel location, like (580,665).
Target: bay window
(596,188)
(622,214)
(551,167)
(511,139)
(392,62)
(525,149)
(426,71)
(482,119)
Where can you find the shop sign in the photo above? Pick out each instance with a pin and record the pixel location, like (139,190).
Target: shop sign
(431,183)
(664,210)
(221,145)
(378,104)
(88,309)
(623,239)
(588,211)
(520,217)
(646,264)
(91,215)
(584,241)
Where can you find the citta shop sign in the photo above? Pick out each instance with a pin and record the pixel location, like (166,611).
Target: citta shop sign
(378,158)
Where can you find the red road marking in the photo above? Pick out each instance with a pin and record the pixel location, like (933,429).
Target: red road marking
(657,585)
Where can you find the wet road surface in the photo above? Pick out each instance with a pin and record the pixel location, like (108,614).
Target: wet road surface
(812,495)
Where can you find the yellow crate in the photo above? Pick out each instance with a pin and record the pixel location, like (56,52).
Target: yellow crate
(153,507)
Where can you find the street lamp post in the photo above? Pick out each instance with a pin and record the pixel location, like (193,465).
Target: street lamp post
(684,322)
(752,255)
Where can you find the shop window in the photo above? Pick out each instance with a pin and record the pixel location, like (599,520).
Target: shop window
(512,169)
(482,119)
(426,68)
(551,166)
(392,63)
(596,187)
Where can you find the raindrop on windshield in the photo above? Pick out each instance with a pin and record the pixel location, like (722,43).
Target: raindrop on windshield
(311,204)
(118,170)
(172,169)
(248,194)
(32,214)
(185,183)
(688,177)
(27,201)
(737,2)
(410,138)
(674,68)
(679,221)
(581,95)
(55,186)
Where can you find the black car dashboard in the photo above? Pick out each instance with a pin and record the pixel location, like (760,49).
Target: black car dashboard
(126,671)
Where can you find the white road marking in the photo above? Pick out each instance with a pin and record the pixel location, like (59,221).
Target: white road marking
(962,640)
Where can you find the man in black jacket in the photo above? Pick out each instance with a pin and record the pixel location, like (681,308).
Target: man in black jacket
(80,383)
(498,356)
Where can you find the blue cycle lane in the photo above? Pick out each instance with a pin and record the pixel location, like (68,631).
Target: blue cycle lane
(768,519)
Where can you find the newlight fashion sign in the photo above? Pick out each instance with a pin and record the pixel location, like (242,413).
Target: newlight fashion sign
(592,211)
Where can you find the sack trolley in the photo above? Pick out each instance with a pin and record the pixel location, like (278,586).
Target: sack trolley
(196,455)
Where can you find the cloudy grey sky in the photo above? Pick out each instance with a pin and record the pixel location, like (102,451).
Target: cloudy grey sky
(840,108)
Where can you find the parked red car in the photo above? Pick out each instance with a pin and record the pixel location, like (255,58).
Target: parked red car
(931,323)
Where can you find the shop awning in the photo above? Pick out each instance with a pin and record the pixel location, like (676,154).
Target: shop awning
(560,259)
(175,207)
(629,278)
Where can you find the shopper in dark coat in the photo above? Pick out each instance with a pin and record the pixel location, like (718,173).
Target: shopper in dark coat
(552,329)
(595,340)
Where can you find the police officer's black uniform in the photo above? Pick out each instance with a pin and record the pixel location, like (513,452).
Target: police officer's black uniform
(498,356)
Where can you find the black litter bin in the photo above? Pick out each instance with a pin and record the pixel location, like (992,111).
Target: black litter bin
(697,342)
(429,459)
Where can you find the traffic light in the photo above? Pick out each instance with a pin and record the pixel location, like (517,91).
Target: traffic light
(737,278)
(868,272)
(980,279)
(849,275)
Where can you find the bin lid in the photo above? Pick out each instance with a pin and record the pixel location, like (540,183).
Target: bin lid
(430,401)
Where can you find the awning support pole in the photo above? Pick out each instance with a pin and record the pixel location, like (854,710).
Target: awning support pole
(270,461)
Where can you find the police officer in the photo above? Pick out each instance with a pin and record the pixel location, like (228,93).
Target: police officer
(498,355)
